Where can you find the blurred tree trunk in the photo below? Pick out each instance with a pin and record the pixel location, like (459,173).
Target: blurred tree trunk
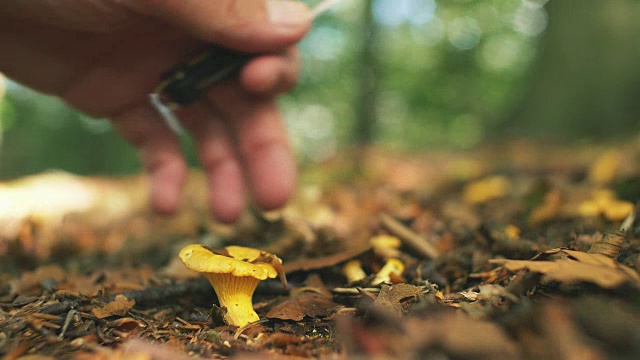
(368,78)
(587,79)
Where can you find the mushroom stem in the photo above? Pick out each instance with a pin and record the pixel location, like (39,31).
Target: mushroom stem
(353,271)
(235,294)
(393,266)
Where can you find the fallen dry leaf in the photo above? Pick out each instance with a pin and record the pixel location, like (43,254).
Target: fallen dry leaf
(391,298)
(447,335)
(127,324)
(309,304)
(119,306)
(461,337)
(314,281)
(136,349)
(567,339)
(568,266)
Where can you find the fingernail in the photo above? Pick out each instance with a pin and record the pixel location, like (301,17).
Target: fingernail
(284,12)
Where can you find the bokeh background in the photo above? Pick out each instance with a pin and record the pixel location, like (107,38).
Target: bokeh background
(408,75)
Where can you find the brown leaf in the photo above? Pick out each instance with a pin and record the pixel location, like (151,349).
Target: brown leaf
(140,349)
(314,282)
(460,337)
(119,306)
(276,263)
(391,298)
(306,304)
(127,324)
(566,339)
(283,340)
(570,266)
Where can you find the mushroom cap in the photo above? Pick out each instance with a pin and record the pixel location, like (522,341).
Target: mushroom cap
(239,262)
(385,241)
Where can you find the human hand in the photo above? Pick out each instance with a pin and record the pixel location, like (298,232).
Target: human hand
(105,56)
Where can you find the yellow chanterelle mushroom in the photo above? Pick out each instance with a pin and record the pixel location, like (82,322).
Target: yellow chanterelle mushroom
(234,273)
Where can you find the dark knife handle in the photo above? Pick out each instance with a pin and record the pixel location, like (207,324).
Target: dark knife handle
(185,83)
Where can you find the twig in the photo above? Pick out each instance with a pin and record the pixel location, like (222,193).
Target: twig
(67,321)
(245,327)
(409,237)
(354,291)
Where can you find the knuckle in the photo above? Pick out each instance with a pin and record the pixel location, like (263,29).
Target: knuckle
(215,155)
(153,160)
(260,144)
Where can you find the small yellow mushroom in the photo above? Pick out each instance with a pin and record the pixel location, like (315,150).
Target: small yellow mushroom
(234,274)
(604,202)
(617,210)
(487,189)
(512,232)
(589,208)
(393,266)
(353,271)
(386,246)
(603,170)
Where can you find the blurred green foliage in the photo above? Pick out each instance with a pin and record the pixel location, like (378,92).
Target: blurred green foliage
(450,73)
(40,133)
(448,70)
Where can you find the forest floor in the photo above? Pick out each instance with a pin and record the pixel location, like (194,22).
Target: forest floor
(508,252)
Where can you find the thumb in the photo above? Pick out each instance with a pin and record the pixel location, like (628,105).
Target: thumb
(245,25)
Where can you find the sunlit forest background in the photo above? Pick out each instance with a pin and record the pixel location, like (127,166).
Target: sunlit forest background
(407,75)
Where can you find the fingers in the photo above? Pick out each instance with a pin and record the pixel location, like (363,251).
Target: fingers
(252,137)
(259,155)
(246,25)
(227,189)
(244,132)
(272,74)
(229,134)
(262,144)
(159,152)
(270,163)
